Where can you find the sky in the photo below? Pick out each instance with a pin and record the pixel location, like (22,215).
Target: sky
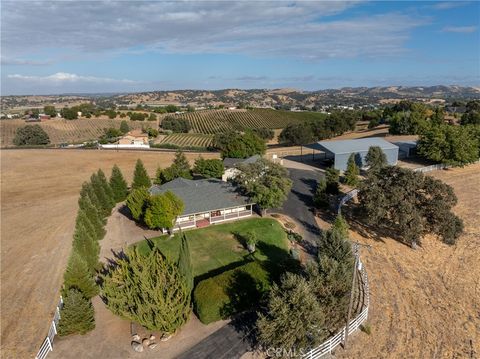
(53,47)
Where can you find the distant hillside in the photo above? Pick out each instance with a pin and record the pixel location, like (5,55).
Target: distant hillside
(257,97)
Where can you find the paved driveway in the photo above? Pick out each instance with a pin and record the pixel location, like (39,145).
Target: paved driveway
(299,204)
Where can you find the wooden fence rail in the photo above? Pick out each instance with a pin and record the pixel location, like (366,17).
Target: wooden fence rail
(47,345)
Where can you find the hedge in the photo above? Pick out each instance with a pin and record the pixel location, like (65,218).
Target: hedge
(230,292)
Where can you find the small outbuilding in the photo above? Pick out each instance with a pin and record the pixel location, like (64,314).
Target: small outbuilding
(338,151)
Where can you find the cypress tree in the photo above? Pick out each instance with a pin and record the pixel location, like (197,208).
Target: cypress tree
(340,225)
(101,195)
(140,176)
(106,188)
(147,289)
(86,246)
(77,315)
(352,172)
(87,191)
(136,202)
(375,158)
(77,275)
(83,221)
(118,184)
(91,211)
(185,263)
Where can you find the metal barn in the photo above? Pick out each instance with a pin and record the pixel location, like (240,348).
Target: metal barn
(339,151)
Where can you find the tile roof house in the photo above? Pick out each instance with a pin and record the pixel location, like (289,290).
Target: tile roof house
(207,201)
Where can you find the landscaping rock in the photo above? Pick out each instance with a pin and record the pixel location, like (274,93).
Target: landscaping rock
(166,337)
(146,342)
(152,346)
(136,338)
(137,346)
(152,337)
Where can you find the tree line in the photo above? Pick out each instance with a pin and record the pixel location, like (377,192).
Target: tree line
(97,198)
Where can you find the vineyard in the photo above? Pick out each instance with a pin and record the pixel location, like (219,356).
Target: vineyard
(216,121)
(187,140)
(64,131)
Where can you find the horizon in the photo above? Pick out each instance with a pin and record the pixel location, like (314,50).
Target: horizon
(112,93)
(131,47)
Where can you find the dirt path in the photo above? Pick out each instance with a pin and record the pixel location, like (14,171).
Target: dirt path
(426,303)
(39,192)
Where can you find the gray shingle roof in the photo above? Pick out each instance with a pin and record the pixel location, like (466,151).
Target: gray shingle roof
(352,146)
(232,162)
(202,195)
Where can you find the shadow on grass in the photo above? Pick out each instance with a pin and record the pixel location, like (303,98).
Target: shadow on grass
(217,271)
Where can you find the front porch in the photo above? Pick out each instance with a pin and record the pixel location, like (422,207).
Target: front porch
(199,220)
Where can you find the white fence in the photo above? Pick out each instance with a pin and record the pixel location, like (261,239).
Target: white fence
(47,345)
(436,167)
(354,325)
(346,198)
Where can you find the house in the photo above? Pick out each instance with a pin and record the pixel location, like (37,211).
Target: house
(231,164)
(206,201)
(339,151)
(133,139)
(42,117)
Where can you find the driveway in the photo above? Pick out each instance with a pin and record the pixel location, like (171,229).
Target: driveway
(299,204)
(229,342)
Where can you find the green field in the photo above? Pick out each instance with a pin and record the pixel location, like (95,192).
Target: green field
(188,140)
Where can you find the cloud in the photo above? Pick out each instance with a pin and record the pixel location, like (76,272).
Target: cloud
(303,30)
(23,62)
(65,77)
(460,29)
(446,5)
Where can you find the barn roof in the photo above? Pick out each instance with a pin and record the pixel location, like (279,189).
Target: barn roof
(202,195)
(352,146)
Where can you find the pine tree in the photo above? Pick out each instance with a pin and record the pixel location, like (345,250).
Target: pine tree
(140,176)
(352,172)
(99,190)
(375,158)
(340,225)
(147,289)
(77,315)
(91,211)
(294,320)
(136,202)
(180,166)
(185,263)
(106,188)
(77,275)
(86,246)
(320,198)
(118,184)
(332,176)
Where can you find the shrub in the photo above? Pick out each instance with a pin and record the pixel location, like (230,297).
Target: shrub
(231,292)
(366,328)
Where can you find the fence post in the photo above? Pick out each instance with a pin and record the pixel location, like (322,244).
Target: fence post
(54,327)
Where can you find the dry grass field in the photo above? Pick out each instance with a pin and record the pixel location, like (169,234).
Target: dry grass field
(65,131)
(426,302)
(39,192)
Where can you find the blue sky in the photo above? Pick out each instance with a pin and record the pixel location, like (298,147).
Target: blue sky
(123,46)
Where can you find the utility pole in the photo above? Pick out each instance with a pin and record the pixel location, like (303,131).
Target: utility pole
(356,251)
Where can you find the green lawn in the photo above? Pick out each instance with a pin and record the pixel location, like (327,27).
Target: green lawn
(228,279)
(215,246)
